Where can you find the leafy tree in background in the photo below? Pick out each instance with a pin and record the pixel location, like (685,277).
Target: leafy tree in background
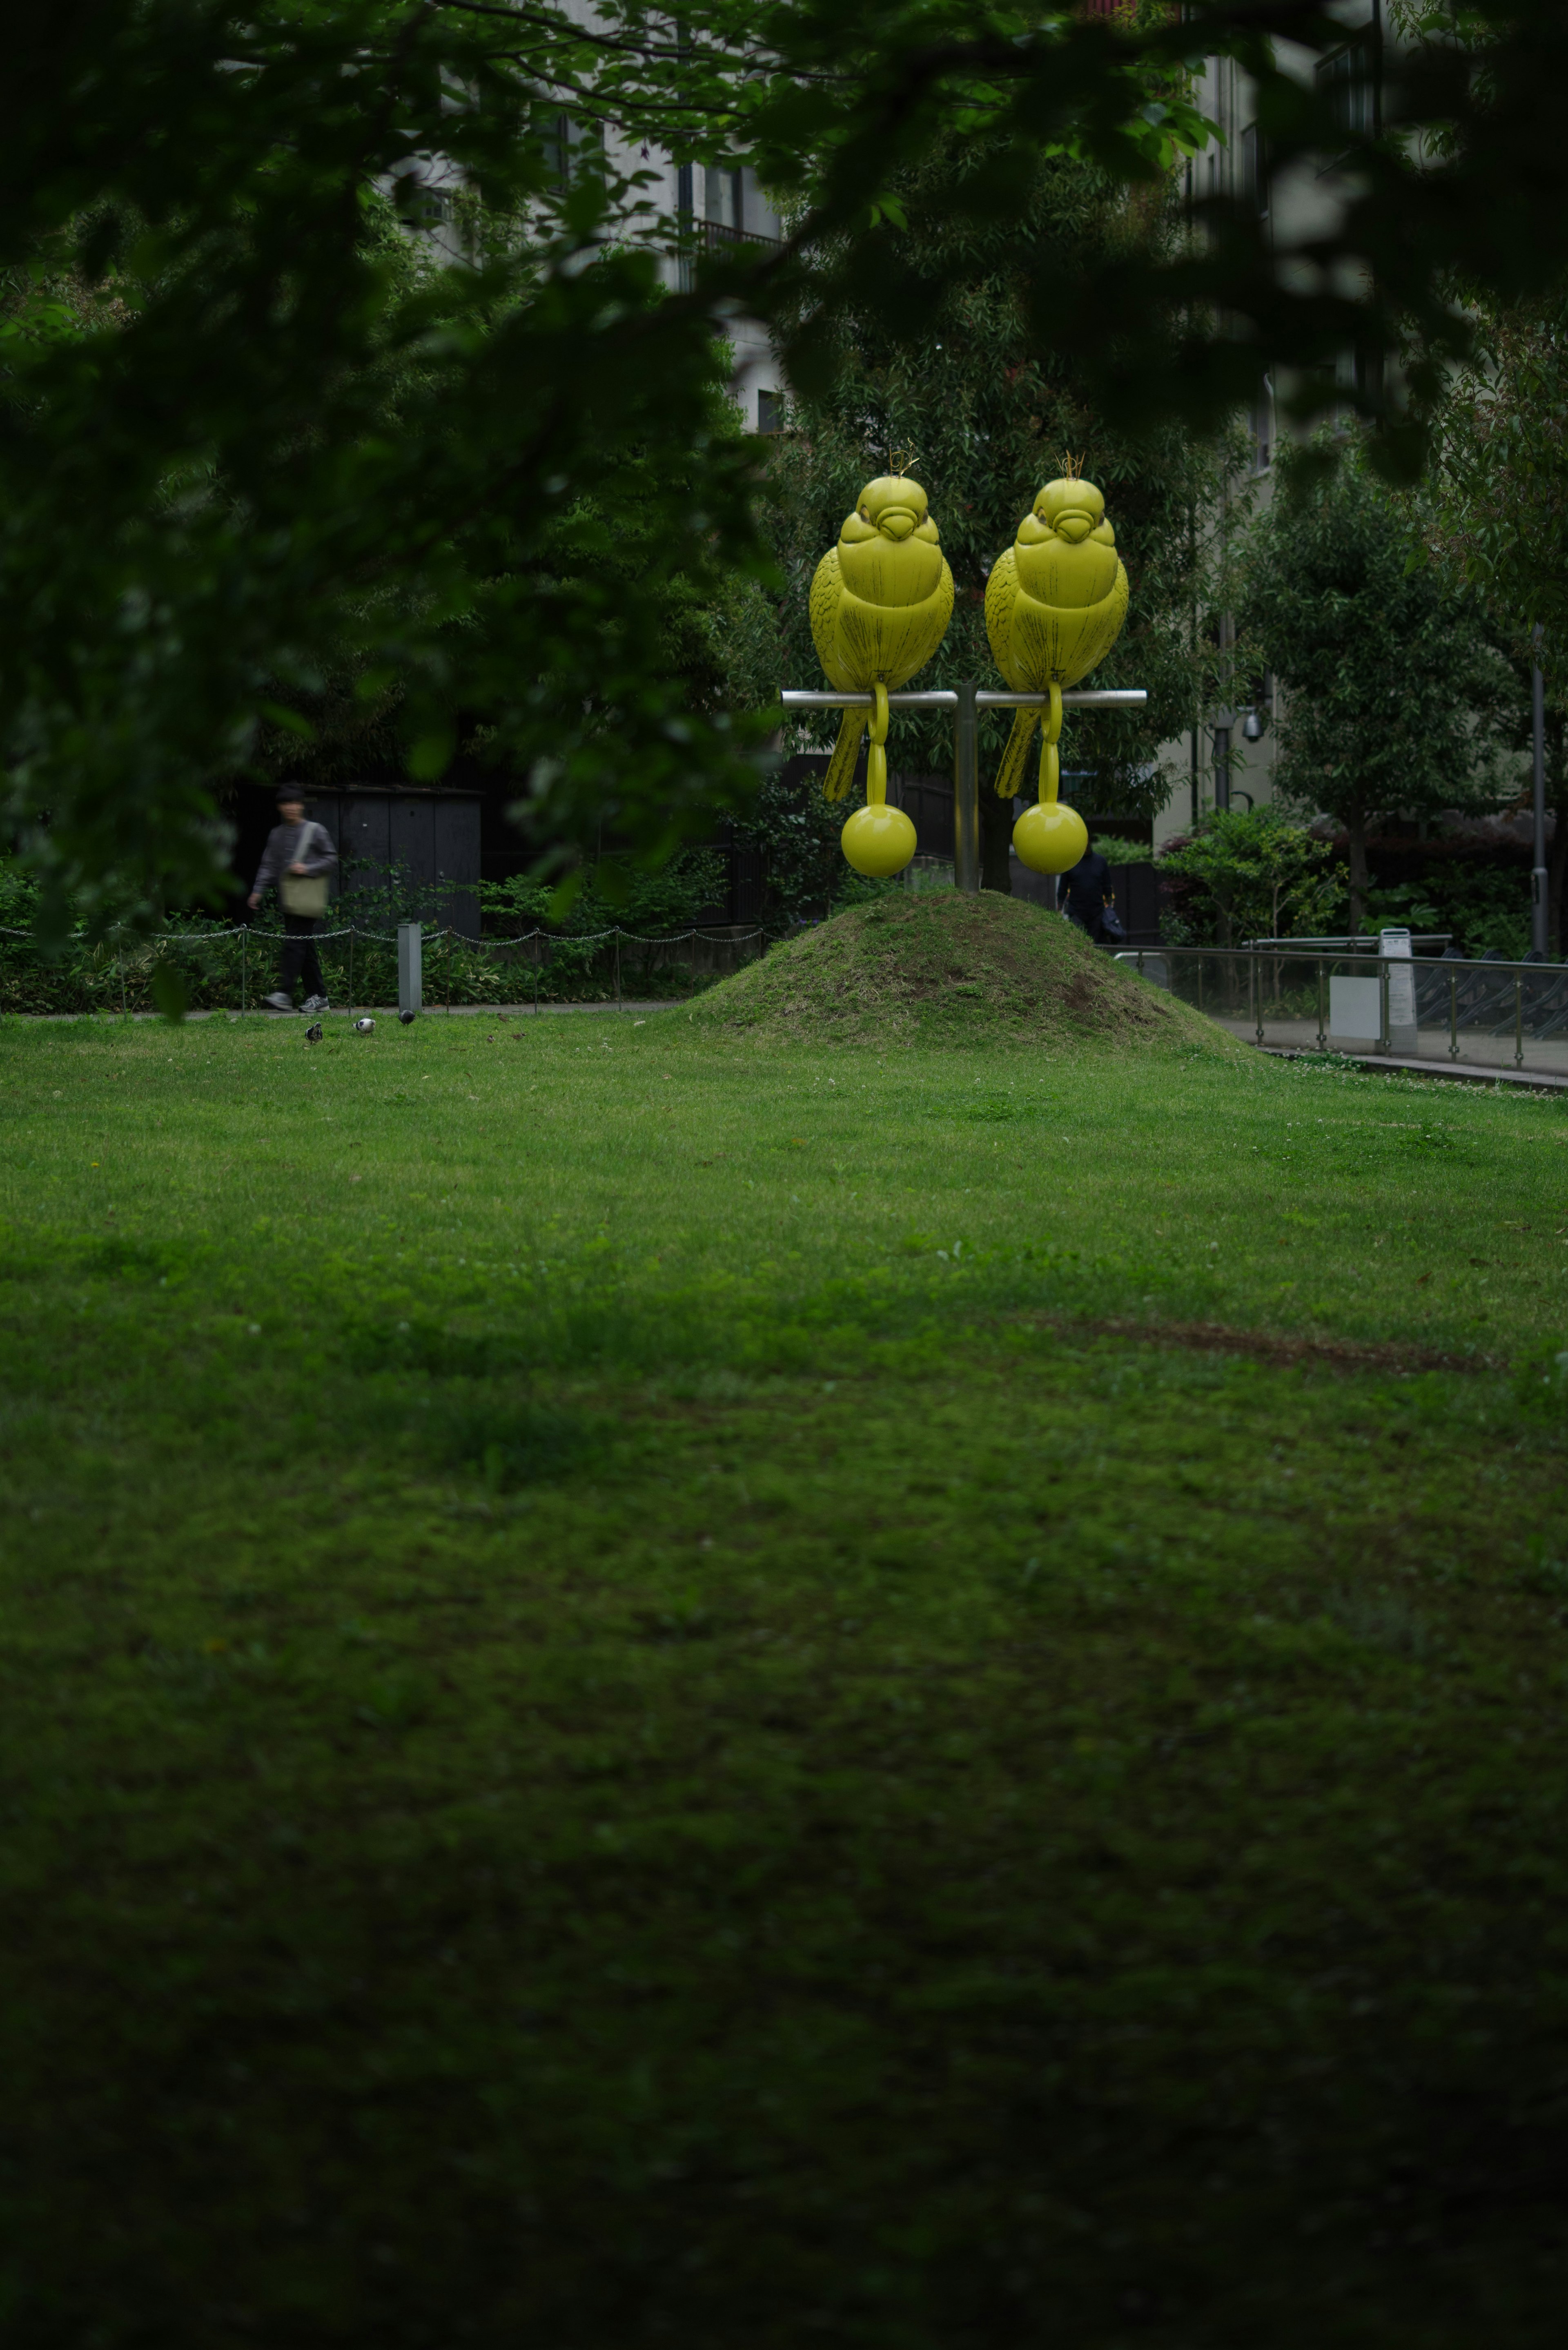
(984,417)
(1396,696)
(1253,874)
(1497,520)
(259,458)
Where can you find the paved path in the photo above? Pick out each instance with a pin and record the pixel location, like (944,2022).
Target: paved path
(1481,1057)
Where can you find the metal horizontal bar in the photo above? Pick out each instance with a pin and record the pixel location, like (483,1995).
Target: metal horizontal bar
(934,700)
(1362,944)
(1120,697)
(1110,697)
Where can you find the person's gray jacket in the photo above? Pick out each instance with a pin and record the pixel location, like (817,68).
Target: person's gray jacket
(307,844)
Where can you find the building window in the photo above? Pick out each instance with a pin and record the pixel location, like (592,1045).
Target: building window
(1347,82)
(770,411)
(1260,425)
(431,208)
(1255,171)
(568,146)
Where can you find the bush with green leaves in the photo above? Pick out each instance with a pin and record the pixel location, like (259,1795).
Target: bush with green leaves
(1481,908)
(1246,873)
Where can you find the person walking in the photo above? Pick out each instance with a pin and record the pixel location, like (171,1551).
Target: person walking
(299,857)
(1084,891)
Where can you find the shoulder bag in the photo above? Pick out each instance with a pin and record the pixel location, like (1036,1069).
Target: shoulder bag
(305,894)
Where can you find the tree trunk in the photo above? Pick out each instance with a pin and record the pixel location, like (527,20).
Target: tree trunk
(995,841)
(1356,825)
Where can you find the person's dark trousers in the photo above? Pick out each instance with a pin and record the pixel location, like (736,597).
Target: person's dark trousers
(300,959)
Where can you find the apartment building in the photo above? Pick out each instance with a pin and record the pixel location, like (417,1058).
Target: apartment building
(682,209)
(1229,760)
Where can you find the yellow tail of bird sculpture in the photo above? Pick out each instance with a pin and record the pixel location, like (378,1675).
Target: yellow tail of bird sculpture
(1054,606)
(880,604)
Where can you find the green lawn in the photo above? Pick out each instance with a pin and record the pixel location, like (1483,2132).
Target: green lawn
(662,1691)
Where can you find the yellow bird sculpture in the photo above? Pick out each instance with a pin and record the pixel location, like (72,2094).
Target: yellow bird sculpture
(880,604)
(1054,606)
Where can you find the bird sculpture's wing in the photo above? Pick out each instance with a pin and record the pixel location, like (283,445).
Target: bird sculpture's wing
(936,613)
(827,595)
(1001,600)
(1104,626)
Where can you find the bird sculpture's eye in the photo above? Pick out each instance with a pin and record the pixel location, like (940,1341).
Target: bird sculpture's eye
(864,514)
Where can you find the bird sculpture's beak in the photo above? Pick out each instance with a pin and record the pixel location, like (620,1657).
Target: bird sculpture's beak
(898,522)
(1074,526)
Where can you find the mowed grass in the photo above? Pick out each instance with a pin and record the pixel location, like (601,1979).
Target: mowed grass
(658,1691)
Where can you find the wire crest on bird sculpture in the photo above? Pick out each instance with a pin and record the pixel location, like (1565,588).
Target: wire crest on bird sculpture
(880,603)
(1054,605)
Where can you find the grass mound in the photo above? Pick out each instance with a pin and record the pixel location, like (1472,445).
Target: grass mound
(950,969)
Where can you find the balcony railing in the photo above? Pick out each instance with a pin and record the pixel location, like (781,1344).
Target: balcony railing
(712,237)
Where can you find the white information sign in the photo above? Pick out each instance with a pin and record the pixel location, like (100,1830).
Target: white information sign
(1355,1010)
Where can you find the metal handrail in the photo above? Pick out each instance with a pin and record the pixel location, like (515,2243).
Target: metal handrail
(1488,995)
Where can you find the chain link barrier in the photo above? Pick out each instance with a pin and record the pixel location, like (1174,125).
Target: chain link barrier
(576,949)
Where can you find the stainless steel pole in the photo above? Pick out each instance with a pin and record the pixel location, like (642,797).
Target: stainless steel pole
(965,788)
(1540,911)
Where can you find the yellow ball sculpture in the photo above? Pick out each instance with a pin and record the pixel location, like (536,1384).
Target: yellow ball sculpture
(1054,606)
(880,604)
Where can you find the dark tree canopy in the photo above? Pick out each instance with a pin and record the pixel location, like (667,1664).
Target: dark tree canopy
(243,450)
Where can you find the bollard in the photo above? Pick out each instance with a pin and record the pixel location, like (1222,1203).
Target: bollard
(410,967)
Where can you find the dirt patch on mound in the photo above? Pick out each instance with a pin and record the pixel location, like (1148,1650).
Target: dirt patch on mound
(948,968)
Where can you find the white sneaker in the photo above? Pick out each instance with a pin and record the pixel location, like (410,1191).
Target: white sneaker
(279,1001)
(315,1003)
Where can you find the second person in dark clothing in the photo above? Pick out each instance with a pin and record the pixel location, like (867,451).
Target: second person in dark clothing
(1084,892)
